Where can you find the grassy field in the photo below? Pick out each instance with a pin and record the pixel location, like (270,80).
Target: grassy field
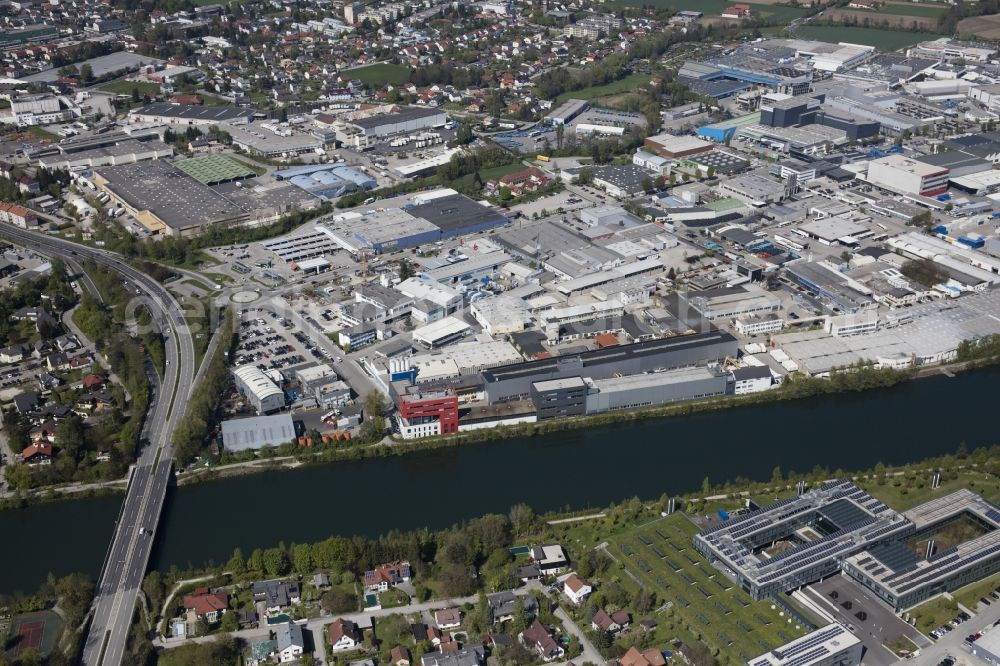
(661,556)
(884,40)
(376,76)
(627,84)
(970,595)
(900,495)
(486,175)
(934,613)
(123,87)
(41,133)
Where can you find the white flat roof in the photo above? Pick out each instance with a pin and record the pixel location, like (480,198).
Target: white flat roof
(441,329)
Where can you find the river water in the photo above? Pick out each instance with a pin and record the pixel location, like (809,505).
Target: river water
(580,469)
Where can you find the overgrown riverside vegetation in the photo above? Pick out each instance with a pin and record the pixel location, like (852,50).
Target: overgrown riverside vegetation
(202,408)
(475,558)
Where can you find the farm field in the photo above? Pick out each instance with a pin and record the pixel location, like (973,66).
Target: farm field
(987,27)
(379,75)
(912,9)
(884,40)
(714,7)
(661,556)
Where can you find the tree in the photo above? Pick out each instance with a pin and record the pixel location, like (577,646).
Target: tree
(520,621)
(302,558)
(237,563)
(521,518)
(86,72)
(230,621)
(275,561)
(776,476)
(706,486)
(456,580)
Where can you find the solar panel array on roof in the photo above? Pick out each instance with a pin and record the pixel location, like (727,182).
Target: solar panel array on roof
(844,514)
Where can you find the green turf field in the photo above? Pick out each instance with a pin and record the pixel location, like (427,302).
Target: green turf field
(376,76)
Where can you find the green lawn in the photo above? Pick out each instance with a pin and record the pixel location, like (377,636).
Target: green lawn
(901,495)
(884,40)
(41,133)
(630,82)
(661,555)
(932,614)
(376,76)
(970,595)
(123,87)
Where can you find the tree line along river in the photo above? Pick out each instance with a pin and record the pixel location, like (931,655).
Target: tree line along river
(579,469)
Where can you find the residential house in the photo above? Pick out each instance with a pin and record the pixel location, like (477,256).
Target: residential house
(650,657)
(610,623)
(276,594)
(503,605)
(321,581)
(57,362)
(550,559)
(343,634)
(467,656)
(519,182)
(448,618)
(540,640)
(205,605)
(26,402)
(291,644)
(93,382)
(39,453)
(400,656)
(737,11)
(577,589)
(419,631)
(44,432)
(14,353)
(386,576)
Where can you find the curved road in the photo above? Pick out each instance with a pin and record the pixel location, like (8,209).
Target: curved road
(128,556)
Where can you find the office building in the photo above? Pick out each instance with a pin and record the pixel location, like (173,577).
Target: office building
(832,645)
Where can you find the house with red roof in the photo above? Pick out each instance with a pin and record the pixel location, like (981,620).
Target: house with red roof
(387,575)
(39,453)
(540,640)
(343,634)
(205,605)
(577,589)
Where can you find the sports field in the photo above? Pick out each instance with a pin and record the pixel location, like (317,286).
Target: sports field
(38,631)
(214,169)
(376,76)
(661,555)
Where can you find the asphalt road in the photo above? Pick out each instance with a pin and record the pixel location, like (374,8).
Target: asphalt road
(128,556)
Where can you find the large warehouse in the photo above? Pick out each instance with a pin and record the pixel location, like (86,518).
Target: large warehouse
(407,119)
(263,394)
(257,432)
(513,382)
(190,115)
(165,199)
(908,176)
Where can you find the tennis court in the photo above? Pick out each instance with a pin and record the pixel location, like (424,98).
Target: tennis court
(35,630)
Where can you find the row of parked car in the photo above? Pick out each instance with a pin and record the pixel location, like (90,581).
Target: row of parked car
(946,628)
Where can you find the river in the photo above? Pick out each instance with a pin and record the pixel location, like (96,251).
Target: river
(590,468)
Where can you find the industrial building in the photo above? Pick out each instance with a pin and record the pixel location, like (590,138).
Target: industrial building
(422,412)
(566,112)
(110,149)
(898,576)
(378,231)
(457,215)
(832,645)
(258,389)
(673,146)
(327,181)
(166,200)
(254,433)
(513,382)
(190,115)
(843,518)
(408,119)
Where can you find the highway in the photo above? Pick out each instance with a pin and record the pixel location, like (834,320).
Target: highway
(128,557)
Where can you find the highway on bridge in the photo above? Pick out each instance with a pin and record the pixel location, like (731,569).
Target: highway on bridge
(128,556)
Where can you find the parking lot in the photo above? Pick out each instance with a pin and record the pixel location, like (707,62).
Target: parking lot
(270,341)
(870,619)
